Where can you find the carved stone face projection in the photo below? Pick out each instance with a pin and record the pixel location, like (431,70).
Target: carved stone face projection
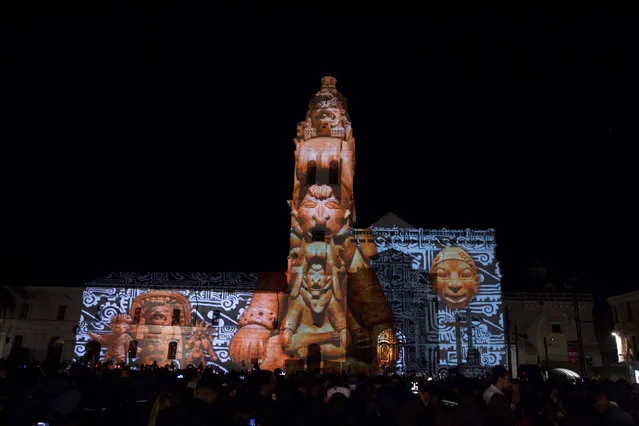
(318,276)
(317,285)
(160,315)
(263,312)
(316,279)
(327,110)
(326,114)
(454,277)
(156,307)
(320,211)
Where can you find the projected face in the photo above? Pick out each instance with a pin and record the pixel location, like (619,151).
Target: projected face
(321,211)
(326,113)
(455,278)
(316,280)
(160,315)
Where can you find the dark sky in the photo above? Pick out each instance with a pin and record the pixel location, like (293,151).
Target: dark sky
(165,142)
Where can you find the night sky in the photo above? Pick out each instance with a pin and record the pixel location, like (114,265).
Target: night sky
(165,143)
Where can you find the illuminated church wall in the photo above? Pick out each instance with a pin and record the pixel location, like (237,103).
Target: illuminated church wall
(166,318)
(432,280)
(399,285)
(343,301)
(331,308)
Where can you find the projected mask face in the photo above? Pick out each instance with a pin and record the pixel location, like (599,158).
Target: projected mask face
(326,113)
(316,280)
(455,278)
(321,211)
(160,315)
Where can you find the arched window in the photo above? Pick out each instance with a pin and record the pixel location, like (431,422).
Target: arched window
(318,236)
(17,341)
(54,351)
(172,354)
(311,172)
(175,320)
(314,357)
(62,312)
(133,349)
(137,315)
(333,173)
(386,350)
(24,312)
(92,352)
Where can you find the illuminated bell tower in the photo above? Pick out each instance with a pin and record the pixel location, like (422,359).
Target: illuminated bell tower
(322,207)
(322,213)
(315,322)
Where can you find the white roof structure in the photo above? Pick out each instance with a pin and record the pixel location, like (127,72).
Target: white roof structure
(564,372)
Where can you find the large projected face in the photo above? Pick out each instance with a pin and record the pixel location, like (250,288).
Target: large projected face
(438,319)
(454,277)
(327,108)
(142,326)
(317,281)
(326,113)
(321,211)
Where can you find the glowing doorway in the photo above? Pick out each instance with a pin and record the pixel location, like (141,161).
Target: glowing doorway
(386,350)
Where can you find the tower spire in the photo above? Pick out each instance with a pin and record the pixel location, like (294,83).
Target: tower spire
(326,115)
(314,320)
(329,82)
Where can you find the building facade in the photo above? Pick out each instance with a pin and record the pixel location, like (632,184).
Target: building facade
(444,289)
(166,318)
(41,324)
(542,330)
(625,313)
(389,298)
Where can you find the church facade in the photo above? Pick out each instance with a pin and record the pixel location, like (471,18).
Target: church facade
(444,289)
(388,298)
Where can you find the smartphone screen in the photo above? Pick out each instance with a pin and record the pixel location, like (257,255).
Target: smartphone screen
(251,422)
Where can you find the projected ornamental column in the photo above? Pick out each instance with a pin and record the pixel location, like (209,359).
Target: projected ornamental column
(335,310)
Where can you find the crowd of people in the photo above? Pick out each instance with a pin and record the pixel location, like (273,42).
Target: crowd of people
(164,396)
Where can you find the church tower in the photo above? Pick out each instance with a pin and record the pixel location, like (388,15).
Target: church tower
(334,310)
(322,206)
